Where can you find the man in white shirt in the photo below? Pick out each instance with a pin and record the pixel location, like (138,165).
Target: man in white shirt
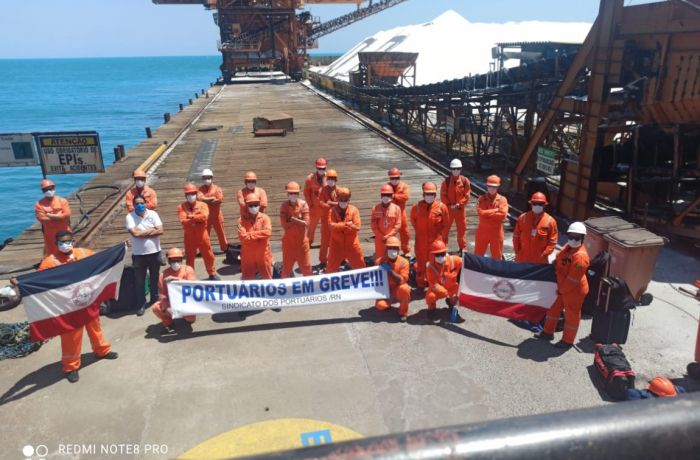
(145,228)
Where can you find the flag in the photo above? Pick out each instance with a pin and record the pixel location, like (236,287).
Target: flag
(509,289)
(67,297)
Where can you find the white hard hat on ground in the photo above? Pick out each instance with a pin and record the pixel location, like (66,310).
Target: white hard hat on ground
(207,172)
(454,164)
(577,227)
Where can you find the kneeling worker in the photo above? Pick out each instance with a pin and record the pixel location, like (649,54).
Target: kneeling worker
(572,286)
(176,271)
(442,272)
(397,270)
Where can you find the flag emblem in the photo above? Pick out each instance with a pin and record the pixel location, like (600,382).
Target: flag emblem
(504,289)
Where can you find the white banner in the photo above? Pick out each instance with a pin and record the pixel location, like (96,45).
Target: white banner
(210,297)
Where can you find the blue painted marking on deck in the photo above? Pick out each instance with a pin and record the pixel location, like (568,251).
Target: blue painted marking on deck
(318,437)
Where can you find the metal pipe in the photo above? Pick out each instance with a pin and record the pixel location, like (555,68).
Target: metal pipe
(660,428)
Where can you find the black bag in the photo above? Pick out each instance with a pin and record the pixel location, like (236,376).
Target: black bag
(599,267)
(412,272)
(277,270)
(233,253)
(369,261)
(127,293)
(610,326)
(614,369)
(614,294)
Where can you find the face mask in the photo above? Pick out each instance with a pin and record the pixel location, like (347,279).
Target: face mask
(331,182)
(456,172)
(394,182)
(140,183)
(321,172)
(207,181)
(176,266)
(386,199)
(537,209)
(253,209)
(50,193)
(343,204)
(191,198)
(440,259)
(429,198)
(65,247)
(250,185)
(140,208)
(492,190)
(293,198)
(574,243)
(392,253)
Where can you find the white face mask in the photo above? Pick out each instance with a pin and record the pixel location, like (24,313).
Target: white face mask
(65,247)
(293,198)
(392,253)
(207,181)
(386,199)
(191,198)
(321,172)
(50,193)
(429,198)
(140,183)
(394,182)
(537,209)
(456,172)
(574,243)
(492,190)
(440,259)
(176,266)
(250,185)
(343,204)
(253,209)
(331,182)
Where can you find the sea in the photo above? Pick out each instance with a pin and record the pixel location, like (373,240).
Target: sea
(117,97)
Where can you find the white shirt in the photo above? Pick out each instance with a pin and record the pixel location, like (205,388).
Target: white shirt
(144,246)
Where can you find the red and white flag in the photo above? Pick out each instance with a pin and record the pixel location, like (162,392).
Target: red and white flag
(67,297)
(509,289)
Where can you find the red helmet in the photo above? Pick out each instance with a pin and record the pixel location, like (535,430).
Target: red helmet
(386,189)
(538,197)
(175,253)
(321,163)
(663,387)
(394,173)
(343,193)
(392,242)
(437,247)
(190,188)
(139,174)
(493,181)
(331,174)
(292,187)
(250,176)
(252,198)
(429,187)
(46,183)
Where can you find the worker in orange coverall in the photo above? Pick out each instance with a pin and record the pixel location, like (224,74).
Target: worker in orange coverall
(327,199)
(72,342)
(344,222)
(492,209)
(254,231)
(431,221)
(442,272)
(175,271)
(535,234)
(194,215)
(141,189)
(251,187)
(312,190)
(397,269)
(454,193)
(294,217)
(213,196)
(386,220)
(572,286)
(53,213)
(401,196)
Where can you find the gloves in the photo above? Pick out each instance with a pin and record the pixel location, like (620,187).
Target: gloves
(385,266)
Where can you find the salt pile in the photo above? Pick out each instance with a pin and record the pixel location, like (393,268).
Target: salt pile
(451,47)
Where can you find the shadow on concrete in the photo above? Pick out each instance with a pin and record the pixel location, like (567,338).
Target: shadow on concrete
(234,316)
(452,327)
(586,345)
(229,270)
(539,350)
(42,378)
(371,314)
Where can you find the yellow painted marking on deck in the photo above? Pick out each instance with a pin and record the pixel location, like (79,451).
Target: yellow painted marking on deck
(270,436)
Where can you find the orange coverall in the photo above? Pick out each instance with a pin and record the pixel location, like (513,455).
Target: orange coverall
(492,212)
(194,221)
(401,196)
(72,341)
(216,217)
(256,256)
(430,222)
(244,192)
(386,222)
(455,191)
(344,241)
(442,280)
(534,237)
(160,308)
(327,199)
(312,191)
(295,243)
(398,290)
(50,227)
(572,286)
(147,193)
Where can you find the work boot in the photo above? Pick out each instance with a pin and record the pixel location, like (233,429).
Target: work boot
(214,277)
(110,355)
(544,336)
(72,376)
(167,330)
(142,309)
(563,345)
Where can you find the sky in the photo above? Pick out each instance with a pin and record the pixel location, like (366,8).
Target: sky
(105,28)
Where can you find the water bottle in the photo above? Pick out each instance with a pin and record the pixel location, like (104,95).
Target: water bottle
(453,317)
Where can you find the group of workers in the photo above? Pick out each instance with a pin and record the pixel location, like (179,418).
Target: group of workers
(327,204)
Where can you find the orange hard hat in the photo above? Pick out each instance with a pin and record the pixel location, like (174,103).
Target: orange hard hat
(343,193)
(321,163)
(46,183)
(292,187)
(386,189)
(139,174)
(437,247)
(538,197)
(250,175)
(190,188)
(661,386)
(393,242)
(394,172)
(331,173)
(429,187)
(174,253)
(252,198)
(493,181)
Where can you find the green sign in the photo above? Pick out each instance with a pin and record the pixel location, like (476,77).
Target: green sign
(547,160)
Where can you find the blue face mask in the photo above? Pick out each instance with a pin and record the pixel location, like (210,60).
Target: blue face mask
(140,208)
